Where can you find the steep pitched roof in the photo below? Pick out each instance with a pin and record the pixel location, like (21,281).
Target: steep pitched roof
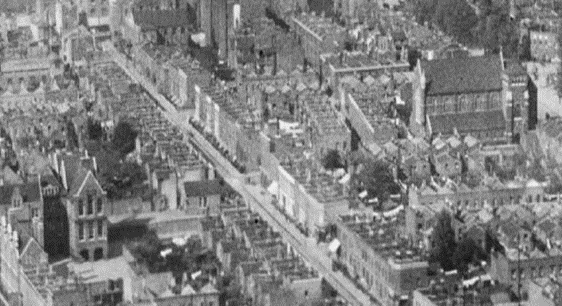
(30,192)
(77,170)
(84,178)
(208,288)
(188,290)
(32,251)
(463,75)
(468,122)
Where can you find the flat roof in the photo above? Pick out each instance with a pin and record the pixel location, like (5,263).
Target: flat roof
(102,270)
(26,64)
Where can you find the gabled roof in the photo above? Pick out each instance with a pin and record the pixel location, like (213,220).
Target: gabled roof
(84,178)
(208,289)
(463,75)
(167,293)
(32,249)
(157,283)
(468,122)
(30,192)
(188,290)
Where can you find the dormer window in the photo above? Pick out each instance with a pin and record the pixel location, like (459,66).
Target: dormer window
(16,202)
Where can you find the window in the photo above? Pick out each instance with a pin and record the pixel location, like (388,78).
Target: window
(202,202)
(90,204)
(91,230)
(111,285)
(35,212)
(80,231)
(100,228)
(85,254)
(16,202)
(99,207)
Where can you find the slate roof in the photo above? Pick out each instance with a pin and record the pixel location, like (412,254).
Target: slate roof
(33,250)
(209,289)
(468,122)
(163,18)
(250,267)
(463,75)
(204,188)
(76,170)
(78,181)
(30,192)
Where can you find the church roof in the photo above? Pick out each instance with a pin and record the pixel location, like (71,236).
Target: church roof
(463,75)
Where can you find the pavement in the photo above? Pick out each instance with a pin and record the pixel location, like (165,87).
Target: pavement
(258,198)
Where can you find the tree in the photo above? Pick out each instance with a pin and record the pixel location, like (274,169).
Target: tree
(332,160)
(71,135)
(492,242)
(95,131)
(148,247)
(377,178)
(124,137)
(467,252)
(444,241)
(555,185)
(492,28)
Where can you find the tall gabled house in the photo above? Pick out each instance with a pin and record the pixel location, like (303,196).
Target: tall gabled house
(86,205)
(22,203)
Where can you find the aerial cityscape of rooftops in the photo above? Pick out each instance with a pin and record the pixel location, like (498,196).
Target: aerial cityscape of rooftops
(280,152)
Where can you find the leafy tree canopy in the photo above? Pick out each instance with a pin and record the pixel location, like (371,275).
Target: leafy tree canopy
(492,28)
(95,131)
(124,137)
(377,178)
(444,241)
(332,160)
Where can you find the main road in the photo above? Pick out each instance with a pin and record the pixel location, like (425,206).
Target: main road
(257,197)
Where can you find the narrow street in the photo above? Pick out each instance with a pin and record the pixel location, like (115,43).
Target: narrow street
(257,197)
